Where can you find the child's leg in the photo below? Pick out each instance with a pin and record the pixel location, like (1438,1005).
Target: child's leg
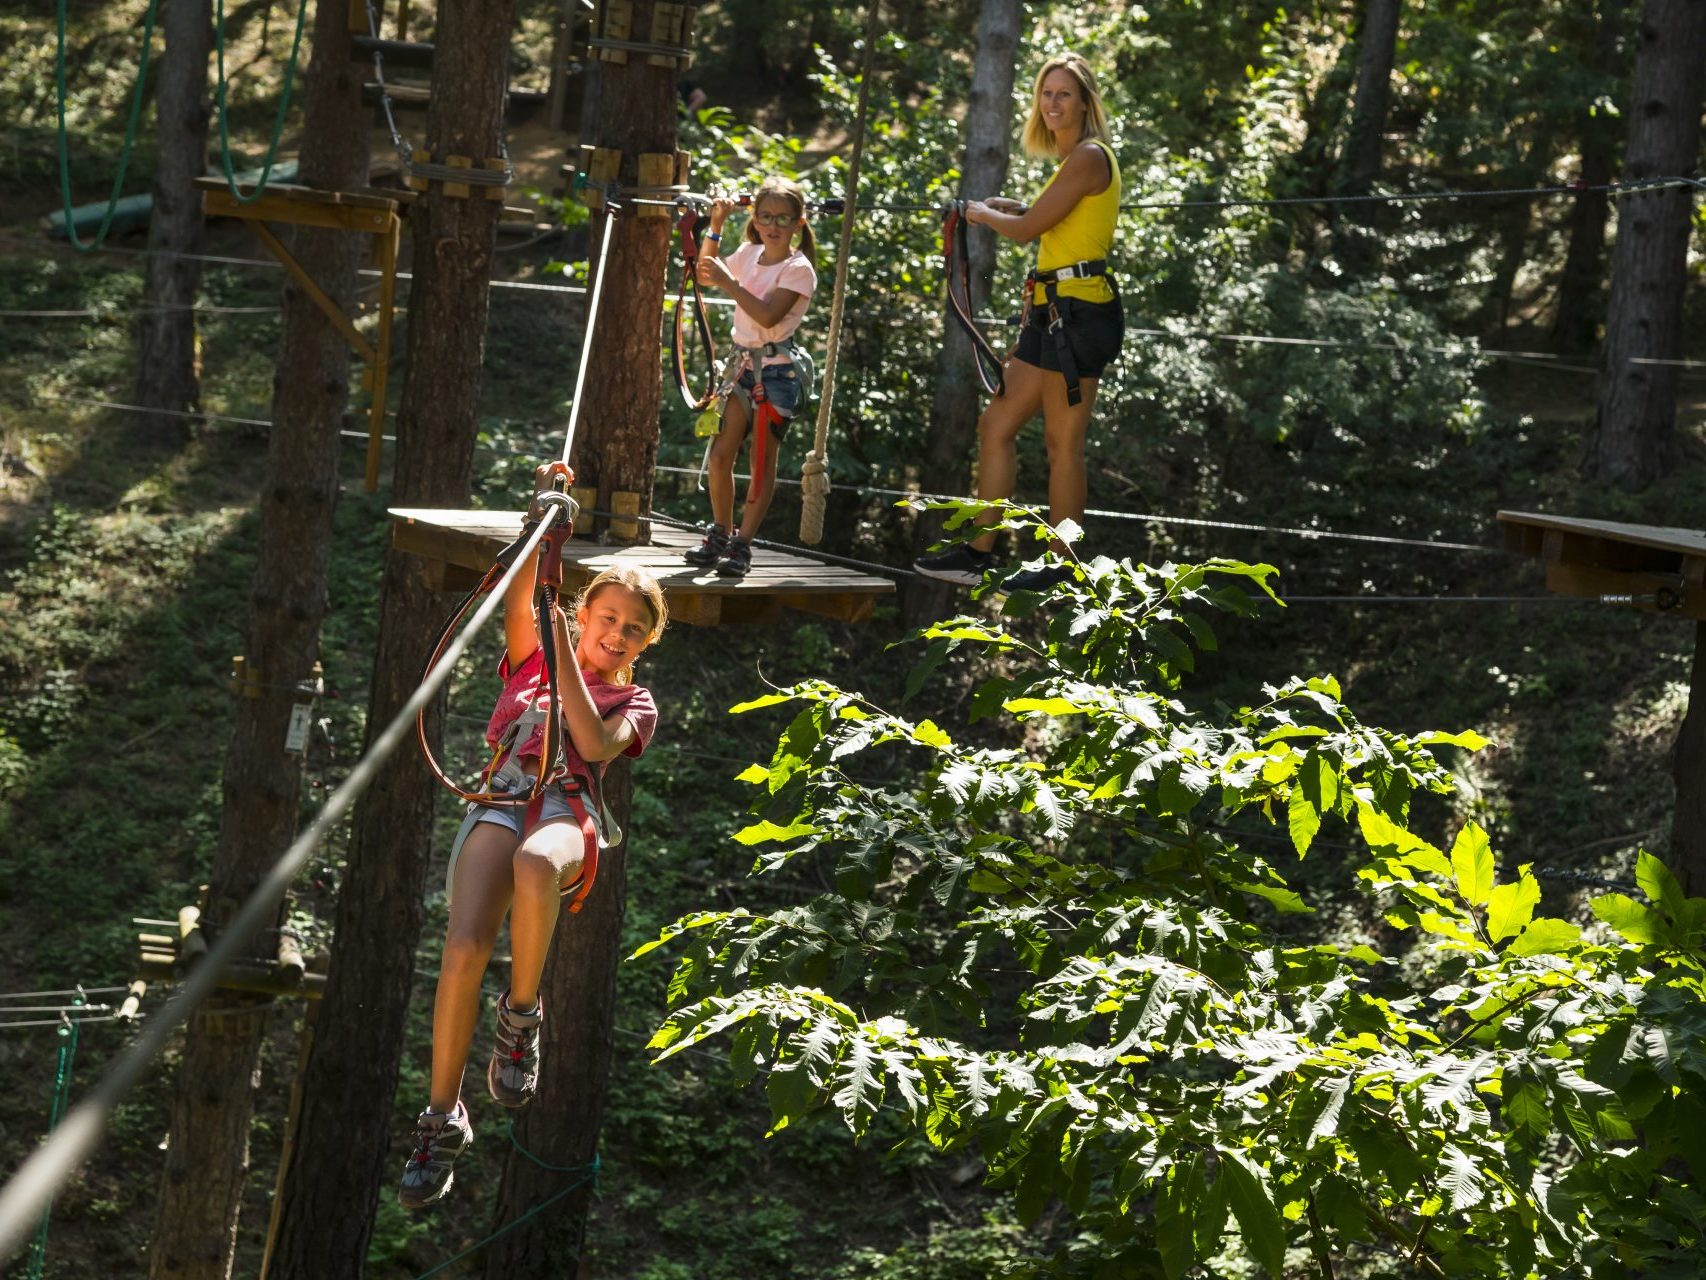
(720,470)
(997,432)
(549,858)
(763,487)
(479,897)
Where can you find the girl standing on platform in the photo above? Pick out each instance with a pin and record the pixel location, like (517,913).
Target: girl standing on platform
(771,278)
(502,865)
(1073,325)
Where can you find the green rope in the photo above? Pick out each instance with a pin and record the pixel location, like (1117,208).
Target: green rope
(61,1095)
(278,118)
(590,1175)
(129,131)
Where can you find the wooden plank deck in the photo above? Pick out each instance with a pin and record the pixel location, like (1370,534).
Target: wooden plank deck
(459,546)
(1662,568)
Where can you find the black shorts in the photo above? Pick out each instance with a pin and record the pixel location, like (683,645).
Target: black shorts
(1095,330)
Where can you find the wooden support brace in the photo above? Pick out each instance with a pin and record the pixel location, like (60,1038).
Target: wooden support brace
(602,166)
(671,24)
(655,169)
(241,681)
(586,498)
(625,515)
(342,323)
(132,1001)
(410,181)
(613,21)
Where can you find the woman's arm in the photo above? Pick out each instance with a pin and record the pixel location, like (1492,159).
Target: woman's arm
(1085,173)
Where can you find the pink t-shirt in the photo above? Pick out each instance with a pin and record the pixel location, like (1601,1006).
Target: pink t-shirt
(521,687)
(793,272)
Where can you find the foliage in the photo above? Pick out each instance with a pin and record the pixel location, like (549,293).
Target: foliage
(1155,1036)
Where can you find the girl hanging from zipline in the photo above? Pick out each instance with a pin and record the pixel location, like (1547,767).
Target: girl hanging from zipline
(768,376)
(1073,325)
(501,863)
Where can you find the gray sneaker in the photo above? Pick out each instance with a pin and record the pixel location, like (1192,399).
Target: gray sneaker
(439,1139)
(513,1073)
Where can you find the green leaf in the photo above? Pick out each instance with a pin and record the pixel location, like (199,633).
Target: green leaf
(1629,918)
(753,773)
(1472,864)
(1545,935)
(1176,1203)
(1660,885)
(1461,1180)
(1469,740)
(756,704)
(1259,1220)
(1286,900)
(1044,706)
(1332,1096)
(1525,1106)
(766,832)
(1511,906)
(1302,819)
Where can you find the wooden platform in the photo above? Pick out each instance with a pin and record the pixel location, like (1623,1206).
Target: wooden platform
(1662,569)
(460,546)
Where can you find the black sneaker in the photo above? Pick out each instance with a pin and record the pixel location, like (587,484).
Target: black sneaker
(1045,579)
(737,560)
(439,1139)
(963,564)
(711,550)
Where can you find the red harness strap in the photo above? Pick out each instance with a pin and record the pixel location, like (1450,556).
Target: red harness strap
(763,415)
(581,885)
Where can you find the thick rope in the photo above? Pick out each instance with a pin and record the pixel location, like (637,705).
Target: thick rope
(814,472)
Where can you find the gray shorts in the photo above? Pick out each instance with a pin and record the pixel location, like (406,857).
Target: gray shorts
(509,817)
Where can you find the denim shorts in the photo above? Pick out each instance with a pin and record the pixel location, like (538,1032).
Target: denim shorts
(781,389)
(511,818)
(1095,330)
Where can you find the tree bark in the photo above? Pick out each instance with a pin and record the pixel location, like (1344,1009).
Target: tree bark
(344,1155)
(207,1160)
(629,107)
(957,395)
(561,1127)
(168,373)
(1633,439)
(1688,822)
(1377,43)
(1581,284)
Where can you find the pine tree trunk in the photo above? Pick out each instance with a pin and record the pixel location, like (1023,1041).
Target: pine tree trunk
(1377,43)
(345,1156)
(561,1127)
(1633,439)
(168,374)
(207,1160)
(958,395)
(629,107)
(1581,284)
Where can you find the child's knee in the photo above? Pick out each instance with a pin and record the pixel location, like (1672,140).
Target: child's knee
(542,870)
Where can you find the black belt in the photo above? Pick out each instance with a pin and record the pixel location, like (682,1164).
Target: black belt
(1050,281)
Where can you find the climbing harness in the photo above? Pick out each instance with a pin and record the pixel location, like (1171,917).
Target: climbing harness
(1050,281)
(688,226)
(956,265)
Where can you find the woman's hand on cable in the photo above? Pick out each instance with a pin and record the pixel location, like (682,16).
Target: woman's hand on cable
(1004,204)
(978,211)
(712,272)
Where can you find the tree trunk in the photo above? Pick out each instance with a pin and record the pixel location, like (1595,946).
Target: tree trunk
(207,1160)
(561,1127)
(957,394)
(1377,43)
(1581,302)
(1688,822)
(1633,439)
(344,1153)
(629,107)
(168,374)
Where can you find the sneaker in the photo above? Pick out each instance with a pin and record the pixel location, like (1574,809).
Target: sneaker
(738,559)
(439,1139)
(513,1073)
(711,550)
(1044,580)
(963,564)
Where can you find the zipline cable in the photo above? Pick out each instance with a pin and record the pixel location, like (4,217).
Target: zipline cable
(610,212)
(47,1169)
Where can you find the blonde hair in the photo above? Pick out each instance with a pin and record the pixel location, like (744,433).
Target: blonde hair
(642,584)
(1039,138)
(776,187)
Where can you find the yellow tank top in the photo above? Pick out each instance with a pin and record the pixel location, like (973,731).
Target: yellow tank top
(1085,234)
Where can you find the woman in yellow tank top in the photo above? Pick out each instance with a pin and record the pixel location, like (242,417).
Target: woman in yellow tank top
(1073,325)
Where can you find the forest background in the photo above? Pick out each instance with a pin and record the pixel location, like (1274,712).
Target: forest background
(126,565)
